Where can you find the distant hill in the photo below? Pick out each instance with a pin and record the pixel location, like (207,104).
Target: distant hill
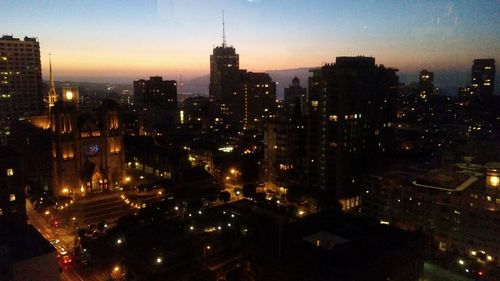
(447,80)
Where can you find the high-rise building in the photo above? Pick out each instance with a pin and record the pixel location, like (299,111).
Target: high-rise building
(259,99)
(238,98)
(351,112)
(224,81)
(483,77)
(425,83)
(155,92)
(21,88)
(296,94)
(156,100)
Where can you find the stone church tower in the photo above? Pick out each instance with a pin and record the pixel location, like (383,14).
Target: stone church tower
(87,149)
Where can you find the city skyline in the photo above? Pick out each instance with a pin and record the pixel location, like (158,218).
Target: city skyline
(172,38)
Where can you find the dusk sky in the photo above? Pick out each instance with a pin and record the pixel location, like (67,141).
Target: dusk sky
(130,39)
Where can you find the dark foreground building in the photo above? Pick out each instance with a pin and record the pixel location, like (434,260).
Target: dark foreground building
(328,246)
(350,120)
(24,252)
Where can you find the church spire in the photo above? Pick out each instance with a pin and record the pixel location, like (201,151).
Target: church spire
(52,95)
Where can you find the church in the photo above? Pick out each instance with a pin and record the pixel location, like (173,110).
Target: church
(86,148)
(86,153)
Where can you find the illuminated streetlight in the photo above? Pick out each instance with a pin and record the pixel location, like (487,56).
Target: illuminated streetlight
(461,262)
(119,241)
(141,177)
(159,260)
(176,208)
(116,269)
(127,179)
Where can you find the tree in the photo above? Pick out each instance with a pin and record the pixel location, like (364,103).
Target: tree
(225,196)
(249,190)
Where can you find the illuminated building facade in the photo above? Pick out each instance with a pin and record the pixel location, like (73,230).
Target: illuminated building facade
(21,93)
(87,150)
(351,114)
(483,77)
(259,99)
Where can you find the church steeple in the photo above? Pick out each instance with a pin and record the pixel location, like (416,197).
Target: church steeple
(52,95)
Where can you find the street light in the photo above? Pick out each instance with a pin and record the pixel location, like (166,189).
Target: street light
(205,250)
(159,260)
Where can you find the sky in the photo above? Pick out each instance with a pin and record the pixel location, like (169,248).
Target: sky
(130,39)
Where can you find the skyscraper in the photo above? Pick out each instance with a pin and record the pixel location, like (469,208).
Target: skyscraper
(351,112)
(425,83)
(21,93)
(259,99)
(483,77)
(296,94)
(224,81)
(156,100)
(238,99)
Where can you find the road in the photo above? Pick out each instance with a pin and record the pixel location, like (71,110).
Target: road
(74,272)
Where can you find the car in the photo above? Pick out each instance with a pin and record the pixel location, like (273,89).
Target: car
(66,259)
(55,241)
(62,251)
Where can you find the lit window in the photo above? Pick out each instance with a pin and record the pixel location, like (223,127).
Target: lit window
(10,172)
(12,197)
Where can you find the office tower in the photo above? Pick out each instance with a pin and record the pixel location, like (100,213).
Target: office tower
(351,112)
(238,99)
(87,150)
(425,84)
(20,81)
(224,82)
(483,77)
(156,100)
(296,94)
(259,100)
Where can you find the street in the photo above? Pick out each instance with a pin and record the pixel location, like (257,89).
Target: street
(75,271)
